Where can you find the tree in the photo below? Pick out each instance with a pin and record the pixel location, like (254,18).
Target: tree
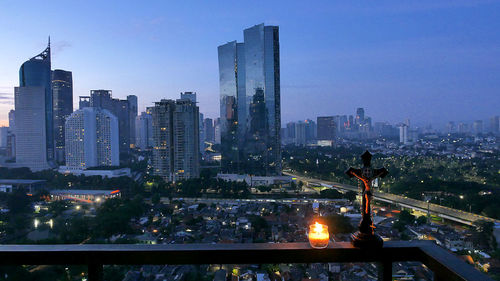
(337,223)
(18,202)
(57,207)
(485,231)
(406,217)
(421,220)
(330,194)
(258,223)
(350,195)
(399,225)
(155,199)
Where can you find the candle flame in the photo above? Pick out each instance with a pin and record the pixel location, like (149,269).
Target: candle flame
(318,227)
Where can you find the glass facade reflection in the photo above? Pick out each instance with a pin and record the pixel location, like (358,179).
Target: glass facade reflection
(36,73)
(62,94)
(249,74)
(228,79)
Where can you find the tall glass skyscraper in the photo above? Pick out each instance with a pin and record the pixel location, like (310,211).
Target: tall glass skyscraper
(62,99)
(249,75)
(35,75)
(229,93)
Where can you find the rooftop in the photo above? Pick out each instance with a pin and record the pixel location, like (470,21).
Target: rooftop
(18,181)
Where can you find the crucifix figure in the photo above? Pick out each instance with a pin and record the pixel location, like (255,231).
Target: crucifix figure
(366,236)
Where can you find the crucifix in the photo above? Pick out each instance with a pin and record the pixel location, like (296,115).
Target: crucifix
(366,236)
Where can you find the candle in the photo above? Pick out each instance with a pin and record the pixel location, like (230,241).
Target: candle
(318,235)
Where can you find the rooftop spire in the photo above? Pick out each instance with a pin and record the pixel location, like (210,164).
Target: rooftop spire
(45,55)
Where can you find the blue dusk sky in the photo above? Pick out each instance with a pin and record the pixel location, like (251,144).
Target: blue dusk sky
(430,61)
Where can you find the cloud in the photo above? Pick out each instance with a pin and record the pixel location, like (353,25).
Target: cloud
(59,46)
(6,95)
(157,20)
(6,98)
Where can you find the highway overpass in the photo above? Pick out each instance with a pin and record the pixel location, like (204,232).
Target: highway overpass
(402,201)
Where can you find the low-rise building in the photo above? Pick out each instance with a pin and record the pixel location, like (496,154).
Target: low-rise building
(84,195)
(257,180)
(9,185)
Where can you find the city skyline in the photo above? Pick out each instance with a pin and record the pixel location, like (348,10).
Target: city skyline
(344,62)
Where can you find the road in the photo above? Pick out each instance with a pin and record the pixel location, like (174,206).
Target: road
(438,210)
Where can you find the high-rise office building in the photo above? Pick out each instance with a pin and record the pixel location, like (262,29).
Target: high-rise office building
(208,125)
(91,139)
(403,134)
(477,127)
(384,129)
(11,138)
(34,114)
(62,99)
(343,123)
(176,139)
(495,124)
(463,128)
(12,121)
(232,87)
(84,101)
(311,130)
(202,132)
(350,122)
(289,135)
(300,133)
(190,96)
(360,116)
(249,76)
(450,127)
(119,108)
(4,133)
(326,128)
(133,111)
(144,130)
(31,129)
(217,131)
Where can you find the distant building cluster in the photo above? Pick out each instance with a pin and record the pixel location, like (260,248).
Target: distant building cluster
(331,130)
(44,132)
(327,129)
(477,127)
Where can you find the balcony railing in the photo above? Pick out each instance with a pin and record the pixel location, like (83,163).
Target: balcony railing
(445,265)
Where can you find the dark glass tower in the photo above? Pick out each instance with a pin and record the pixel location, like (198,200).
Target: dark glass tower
(249,75)
(262,79)
(36,73)
(62,94)
(229,93)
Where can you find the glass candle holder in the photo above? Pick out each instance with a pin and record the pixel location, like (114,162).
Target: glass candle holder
(318,235)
